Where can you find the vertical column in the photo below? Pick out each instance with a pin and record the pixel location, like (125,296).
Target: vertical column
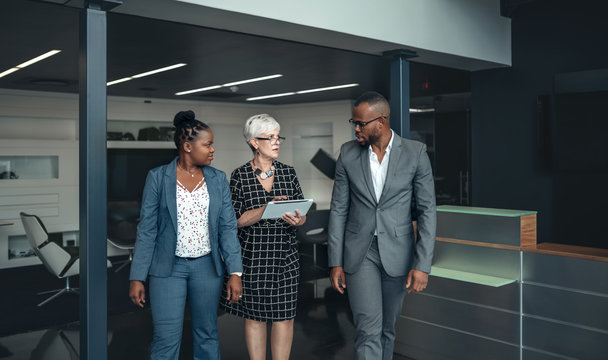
(400,90)
(92,179)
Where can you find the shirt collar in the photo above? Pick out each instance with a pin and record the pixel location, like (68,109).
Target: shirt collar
(388,147)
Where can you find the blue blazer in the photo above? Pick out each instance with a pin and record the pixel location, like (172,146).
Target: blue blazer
(157,229)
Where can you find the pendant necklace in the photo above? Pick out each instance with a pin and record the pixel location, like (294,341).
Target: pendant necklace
(262,174)
(179,166)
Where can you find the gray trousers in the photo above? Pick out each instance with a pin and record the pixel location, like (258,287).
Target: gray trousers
(376,300)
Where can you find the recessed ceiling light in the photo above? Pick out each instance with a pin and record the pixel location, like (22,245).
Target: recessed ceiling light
(270,96)
(38,58)
(166,68)
(253,80)
(198,90)
(302,92)
(326,88)
(422,110)
(30,62)
(235,83)
(9,71)
(119,81)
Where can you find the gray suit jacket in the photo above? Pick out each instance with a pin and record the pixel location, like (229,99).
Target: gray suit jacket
(356,213)
(157,228)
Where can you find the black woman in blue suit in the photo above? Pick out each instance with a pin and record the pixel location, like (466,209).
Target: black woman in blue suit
(186,243)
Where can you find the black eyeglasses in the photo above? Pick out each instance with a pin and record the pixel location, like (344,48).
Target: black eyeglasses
(362,124)
(273,139)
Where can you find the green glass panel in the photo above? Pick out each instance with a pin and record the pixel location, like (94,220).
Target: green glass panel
(483,211)
(470,277)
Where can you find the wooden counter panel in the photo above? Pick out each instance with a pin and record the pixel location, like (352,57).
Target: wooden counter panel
(578,252)
(478,243)
(528,230)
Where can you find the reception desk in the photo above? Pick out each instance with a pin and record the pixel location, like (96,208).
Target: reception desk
(494,293)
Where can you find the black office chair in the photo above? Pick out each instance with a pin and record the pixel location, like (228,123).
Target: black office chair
(123,217)
(314,232)
(58,261)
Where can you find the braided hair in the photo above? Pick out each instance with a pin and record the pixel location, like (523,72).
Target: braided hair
(186,127)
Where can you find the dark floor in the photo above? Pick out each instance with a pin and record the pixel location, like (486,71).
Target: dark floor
(323,326)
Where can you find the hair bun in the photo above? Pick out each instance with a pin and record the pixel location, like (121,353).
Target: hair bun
(182,117)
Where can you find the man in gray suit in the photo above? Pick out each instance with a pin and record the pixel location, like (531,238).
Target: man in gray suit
(372,248)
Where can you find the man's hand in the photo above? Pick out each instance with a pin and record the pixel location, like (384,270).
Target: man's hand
(416,281)
(338,279)
(137,293)
(234,289)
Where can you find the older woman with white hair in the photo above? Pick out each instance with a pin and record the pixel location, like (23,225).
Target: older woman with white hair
(270,255)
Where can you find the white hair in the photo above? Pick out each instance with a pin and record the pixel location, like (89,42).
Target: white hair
(258,125)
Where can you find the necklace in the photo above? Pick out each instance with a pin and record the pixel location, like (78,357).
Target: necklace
(184,169)
(262,174)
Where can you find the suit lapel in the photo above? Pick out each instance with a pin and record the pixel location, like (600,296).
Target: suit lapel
(170,189)
(212,189)
(393,165)
(367,172)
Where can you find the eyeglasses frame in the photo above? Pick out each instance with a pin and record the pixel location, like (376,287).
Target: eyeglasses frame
(362,124)
(280,139)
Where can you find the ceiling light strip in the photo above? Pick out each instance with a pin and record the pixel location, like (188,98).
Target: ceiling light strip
(38,58)
(29,62)
(119,81)
(198,90)
(253,80)
(9,71)
(326,88)
(229,84)
(303,92)
(166,68)
(270,96)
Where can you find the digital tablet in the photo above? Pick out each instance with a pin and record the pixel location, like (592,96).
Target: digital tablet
(276,209)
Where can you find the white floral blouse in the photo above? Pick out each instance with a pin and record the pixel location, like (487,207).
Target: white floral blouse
(192,221)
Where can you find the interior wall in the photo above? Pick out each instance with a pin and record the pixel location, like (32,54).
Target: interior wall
(54,116)
(444,30)
(549,38)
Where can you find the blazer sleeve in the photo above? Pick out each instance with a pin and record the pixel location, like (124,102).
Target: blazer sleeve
(426,213)
(147,229)
(227,237)
(340,203)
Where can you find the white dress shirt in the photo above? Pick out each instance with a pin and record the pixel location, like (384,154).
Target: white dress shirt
(379,169)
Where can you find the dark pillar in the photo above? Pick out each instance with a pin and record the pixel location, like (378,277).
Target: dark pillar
(92,168)
(400,90)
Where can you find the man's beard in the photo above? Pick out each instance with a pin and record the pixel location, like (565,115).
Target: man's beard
(371,139)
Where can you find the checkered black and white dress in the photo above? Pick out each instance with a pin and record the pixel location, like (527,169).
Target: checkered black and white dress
(270,254)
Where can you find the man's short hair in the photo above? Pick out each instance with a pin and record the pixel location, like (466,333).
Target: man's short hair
(374,99)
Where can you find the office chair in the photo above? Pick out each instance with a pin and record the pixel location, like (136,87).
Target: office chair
(55,258)
(123,217)
(314,231)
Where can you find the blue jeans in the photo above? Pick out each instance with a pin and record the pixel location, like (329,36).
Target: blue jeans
(196,279)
